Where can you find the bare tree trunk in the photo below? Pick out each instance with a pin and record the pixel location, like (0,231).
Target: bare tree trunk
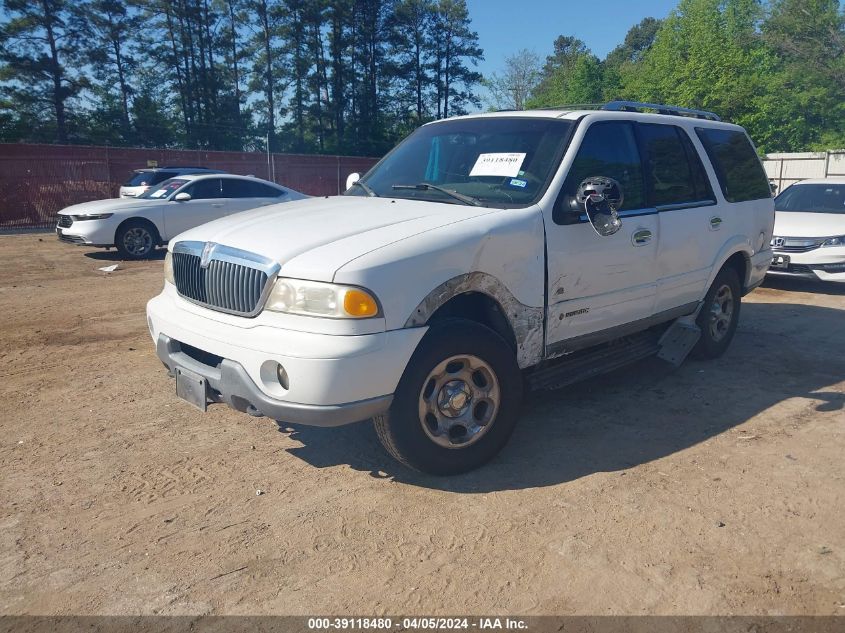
(55,75)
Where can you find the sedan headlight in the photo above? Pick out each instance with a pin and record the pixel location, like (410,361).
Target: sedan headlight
(313,298)
(168,268)
(834,241)
(92,216)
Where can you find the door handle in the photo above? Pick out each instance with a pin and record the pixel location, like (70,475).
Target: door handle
(715,223)
(217,205)
(641,237)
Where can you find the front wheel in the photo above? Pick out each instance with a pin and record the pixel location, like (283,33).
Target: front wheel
(457,401)
(719,315)
(136,239)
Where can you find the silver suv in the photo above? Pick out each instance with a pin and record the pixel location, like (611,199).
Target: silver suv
(142,179)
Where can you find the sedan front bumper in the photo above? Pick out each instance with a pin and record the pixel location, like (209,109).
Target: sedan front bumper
(88,232)
(823,264)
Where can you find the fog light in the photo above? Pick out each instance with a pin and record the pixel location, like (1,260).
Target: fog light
(282,375)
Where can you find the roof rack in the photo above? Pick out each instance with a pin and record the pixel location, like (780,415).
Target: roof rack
(636,106)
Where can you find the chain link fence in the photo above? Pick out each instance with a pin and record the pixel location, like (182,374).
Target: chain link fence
(36,181)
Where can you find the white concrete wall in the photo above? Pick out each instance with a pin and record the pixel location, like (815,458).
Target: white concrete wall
(787,169)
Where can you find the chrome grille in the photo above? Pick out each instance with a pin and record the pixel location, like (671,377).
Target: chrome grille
(65,221)
(796,244)
(231,280)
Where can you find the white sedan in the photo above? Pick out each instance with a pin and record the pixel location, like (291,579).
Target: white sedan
(137,225)
(809,236)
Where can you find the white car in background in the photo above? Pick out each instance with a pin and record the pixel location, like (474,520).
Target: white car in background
(144,179)
(137,225)
(809,237)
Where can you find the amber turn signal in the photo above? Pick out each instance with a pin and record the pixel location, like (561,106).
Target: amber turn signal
(358,303)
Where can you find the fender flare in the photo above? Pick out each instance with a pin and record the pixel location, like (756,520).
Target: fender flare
(525,321)
(736,244)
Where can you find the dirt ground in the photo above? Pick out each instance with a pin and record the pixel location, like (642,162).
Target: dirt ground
(715,488)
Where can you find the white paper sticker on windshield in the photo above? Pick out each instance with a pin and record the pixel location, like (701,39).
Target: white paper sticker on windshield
(501,164)
(159,193)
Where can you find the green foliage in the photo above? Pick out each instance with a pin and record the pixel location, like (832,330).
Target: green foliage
(346,76)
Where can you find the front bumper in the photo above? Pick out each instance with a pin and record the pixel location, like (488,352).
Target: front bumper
(332,379)
(822,264)
(88,232)
(230,384)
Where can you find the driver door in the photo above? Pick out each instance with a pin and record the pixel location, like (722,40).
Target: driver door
(206,204)
(596,284)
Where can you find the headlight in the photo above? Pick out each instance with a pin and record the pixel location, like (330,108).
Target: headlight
(834,241)
(312,298)
(92,216)
(168,268)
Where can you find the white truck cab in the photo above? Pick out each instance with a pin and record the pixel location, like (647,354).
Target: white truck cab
(484,255)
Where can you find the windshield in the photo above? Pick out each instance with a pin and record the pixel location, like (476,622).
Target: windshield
(821,198)
(502,162)
(164,189)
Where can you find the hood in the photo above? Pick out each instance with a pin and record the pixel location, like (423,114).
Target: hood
(313,238)
(798,224)
(108,206)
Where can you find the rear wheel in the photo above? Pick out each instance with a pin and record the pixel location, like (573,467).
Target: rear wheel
(457,402)
(136,239)
(719,315)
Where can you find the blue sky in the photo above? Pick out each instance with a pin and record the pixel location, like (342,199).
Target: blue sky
(507,26)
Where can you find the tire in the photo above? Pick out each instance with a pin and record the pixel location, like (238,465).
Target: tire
(457,402)
(136,239)
(719,315)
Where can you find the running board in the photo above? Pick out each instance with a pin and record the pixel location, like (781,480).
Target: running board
(677,342)
(591,362)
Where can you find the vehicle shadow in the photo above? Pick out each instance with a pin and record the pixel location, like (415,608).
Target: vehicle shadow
(635,415)
(791,284)
(114,255)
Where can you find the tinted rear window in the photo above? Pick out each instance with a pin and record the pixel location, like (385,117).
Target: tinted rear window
(737,166)
(236,188)
(139,179)
(148,178)
(812,198)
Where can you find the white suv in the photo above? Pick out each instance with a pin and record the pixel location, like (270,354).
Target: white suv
(484,254)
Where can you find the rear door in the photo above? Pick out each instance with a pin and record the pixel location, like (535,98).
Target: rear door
(690,224)
(596,283)
(207,203)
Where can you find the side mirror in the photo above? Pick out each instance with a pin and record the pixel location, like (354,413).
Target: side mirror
(352,178)
(602,198)
(182,197)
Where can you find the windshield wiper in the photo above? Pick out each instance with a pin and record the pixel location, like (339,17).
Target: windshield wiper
(366,188)
(454,194)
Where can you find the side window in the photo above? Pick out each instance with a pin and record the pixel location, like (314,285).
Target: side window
(205,189)
(608,149)
(703,190)
(673,172)
(737,166)
(266,191)
(237,188)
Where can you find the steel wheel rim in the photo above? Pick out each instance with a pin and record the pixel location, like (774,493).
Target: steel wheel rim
(459,401)
(137,241)
(721,312)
